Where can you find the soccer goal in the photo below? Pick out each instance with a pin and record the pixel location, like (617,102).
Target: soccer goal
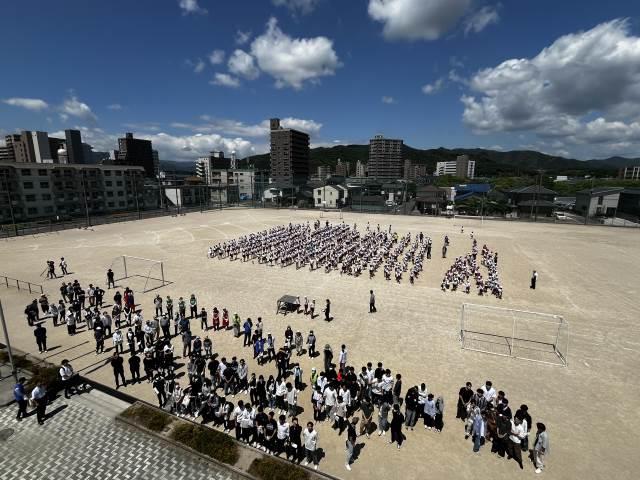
(539,337)
(329,213)
(144,274)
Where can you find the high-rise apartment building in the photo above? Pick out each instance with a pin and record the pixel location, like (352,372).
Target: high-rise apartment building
(385,158)
(74,146)
(342,168)
(135,151)
(324,171)
(289,155)
(41,152)
(361,169)
(462,167)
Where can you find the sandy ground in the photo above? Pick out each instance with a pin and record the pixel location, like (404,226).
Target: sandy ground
(589,275)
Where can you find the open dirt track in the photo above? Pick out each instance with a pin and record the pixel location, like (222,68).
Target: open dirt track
(589,275)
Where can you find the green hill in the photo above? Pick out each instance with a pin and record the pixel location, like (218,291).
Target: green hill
(488,162)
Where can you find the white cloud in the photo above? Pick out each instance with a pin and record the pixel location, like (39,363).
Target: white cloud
(216,57)
(388,100)
(417,19)
(234,127)
(146,127)
(242,64)
(584,89)
(197,66)
(190,147)
(297,6)
(114,106)
(191,7)
(478,21)
(431,88)
(75,108)
(34,104)
(242,37)
(225,80)
(293,61)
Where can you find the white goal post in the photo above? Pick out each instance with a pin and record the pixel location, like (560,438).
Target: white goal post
(335,213)
(534,336)
(147,270)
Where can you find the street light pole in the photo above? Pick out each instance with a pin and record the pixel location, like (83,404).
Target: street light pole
(135,190)
(14,372)
(84,192)
(13,219)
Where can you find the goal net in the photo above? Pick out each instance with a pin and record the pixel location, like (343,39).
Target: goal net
(329,213)
(142,274)
(539,337)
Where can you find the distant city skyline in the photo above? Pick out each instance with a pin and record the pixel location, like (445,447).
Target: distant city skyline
(200,76)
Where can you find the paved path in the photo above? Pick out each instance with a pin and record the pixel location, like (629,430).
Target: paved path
(82,441)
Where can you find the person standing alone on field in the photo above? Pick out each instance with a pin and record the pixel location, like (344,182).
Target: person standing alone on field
(110,279)
(534,279)
(540,447)
(372,302)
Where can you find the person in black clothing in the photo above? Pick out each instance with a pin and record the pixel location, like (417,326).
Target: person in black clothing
(372,302)
(327,310)
(261,422)
(41,338)
(504,409)
(110,279)
(99,294)
(351,441)
(261,391)
(134,367)
(158,387)
(411,407)
(270,433)
(32,312)
(396,426)
(149,365)
(523,414)
(464,397)
(295,441)
(98,334)
(117,363)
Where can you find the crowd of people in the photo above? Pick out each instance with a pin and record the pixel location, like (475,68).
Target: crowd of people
(487,415)
(331,247)
(466,269)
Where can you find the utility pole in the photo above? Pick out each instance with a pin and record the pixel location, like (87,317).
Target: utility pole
(135,192)
(84,191)
(14,372)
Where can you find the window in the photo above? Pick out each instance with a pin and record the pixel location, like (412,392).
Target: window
(42,173)
(25,172)
(317,201)
(48,209)
(44,184)
(121,204)
(27,185)
(109,194)
(32,210)
(119,183)
(121,193)
(118,173)
(107,173)
(30,198)
(111,204)
(108,183)
(46,196)
(600,200)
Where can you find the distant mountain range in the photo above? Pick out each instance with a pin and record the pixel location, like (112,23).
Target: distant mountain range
(488,162)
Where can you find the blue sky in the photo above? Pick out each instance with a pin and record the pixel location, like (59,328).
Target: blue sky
(199,75)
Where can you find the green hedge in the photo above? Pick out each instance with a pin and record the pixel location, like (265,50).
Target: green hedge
(207,441)
(148,417)
(268,468)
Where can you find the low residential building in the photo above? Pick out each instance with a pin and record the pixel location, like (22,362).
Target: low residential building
(598,201)
(533,200)
(629,204)
(250,182)
(52,191)
(432,200)
(330,196)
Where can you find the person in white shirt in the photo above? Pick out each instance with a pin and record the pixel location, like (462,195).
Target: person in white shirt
(118,341)
(291,397)
(66,374)
(330,398)
(235,418)
(321,382)
(39,396)
(513,447)
(540,447)
(246,421)
(387,384)
(342,357)
(310,439)
(281,391)
(489,392)
(282,436)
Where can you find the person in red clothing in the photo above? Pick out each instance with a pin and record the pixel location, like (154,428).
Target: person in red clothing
(216,318)
(225,318)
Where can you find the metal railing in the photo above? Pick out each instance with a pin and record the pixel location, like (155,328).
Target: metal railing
(21,284)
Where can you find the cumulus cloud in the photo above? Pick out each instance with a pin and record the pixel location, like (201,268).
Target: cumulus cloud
(34,104)
(293,61)
(584,88)
(216,57)
(191,7)
(303,7)
(388,100)
(114,106)
(225,80)
(234,127)
(189,147)
(478,21)
(431,88)
(242,37)
(73,107)
(242,64)
(417,19)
